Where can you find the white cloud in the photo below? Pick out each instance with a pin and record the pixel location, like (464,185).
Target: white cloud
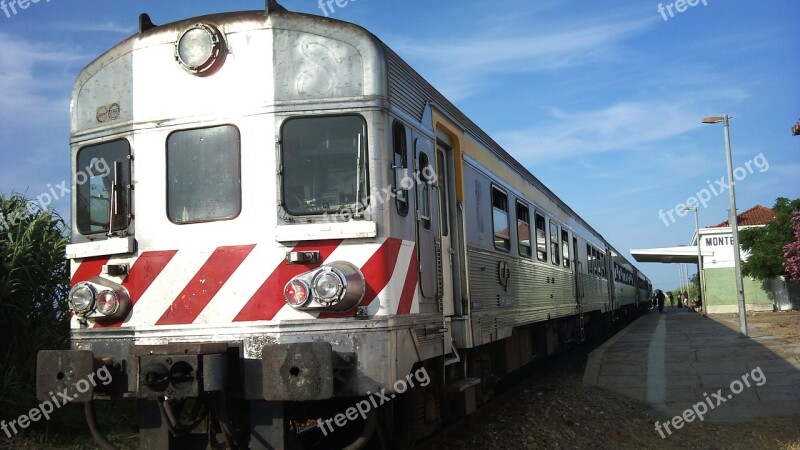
(33,94)
(489,52)
(628,125)
(36,79)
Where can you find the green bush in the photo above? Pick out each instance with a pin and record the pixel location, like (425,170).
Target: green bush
(34,284)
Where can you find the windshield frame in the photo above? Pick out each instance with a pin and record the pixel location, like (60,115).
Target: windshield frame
(361,174)
(85,172)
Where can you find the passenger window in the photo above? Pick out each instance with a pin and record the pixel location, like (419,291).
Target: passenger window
(502,236)
(565,248)
(556,259)
(524,230)
(541,238)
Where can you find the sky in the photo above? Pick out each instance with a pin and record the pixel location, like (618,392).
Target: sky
(602,101)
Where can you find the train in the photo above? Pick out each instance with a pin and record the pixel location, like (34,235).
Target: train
(283,236)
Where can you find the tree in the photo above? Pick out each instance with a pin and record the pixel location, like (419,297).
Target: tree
(34,284)
(766,244)
(693,288)
(792,251)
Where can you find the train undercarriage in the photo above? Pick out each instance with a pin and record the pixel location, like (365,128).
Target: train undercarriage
(196,395)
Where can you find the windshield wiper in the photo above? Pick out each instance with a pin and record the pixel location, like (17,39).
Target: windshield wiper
(113,200)
(358,208)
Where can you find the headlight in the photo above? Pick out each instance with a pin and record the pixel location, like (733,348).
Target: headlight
(100,300)
(107,303)
(81,298)
(327,287)
(200,50)
(296,293)
(338,286)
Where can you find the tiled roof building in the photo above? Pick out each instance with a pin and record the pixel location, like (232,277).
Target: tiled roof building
(757,215)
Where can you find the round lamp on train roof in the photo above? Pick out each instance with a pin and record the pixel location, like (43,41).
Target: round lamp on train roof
(200,50)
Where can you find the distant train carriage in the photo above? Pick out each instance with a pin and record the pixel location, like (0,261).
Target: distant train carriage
(275,217)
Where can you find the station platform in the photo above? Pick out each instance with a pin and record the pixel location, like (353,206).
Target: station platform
(676,360)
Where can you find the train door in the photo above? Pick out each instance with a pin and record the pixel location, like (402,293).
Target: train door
(608,263)
(447,204)
(428,236)
(577,268)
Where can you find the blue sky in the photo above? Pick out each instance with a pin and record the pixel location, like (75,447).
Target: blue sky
(600,100)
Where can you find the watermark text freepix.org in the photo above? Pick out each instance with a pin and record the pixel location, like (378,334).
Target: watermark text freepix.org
(10,7)
(57,400)
(373,401)
(715,189)
(327,5)
(679,6)
(701,408)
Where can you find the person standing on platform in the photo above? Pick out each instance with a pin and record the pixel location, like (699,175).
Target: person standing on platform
(660,297)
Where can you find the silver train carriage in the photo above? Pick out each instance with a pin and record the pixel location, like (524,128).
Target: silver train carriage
(272,210)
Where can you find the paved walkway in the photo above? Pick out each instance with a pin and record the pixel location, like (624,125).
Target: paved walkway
(678,361)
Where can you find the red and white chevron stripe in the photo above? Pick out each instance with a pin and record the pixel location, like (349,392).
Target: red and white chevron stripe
(245,283)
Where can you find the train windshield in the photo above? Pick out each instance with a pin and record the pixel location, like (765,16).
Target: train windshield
(204,180)
(325,165)
(103,179)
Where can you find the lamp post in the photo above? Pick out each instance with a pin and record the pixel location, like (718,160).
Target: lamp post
(688,285)
(701,291)
(732,220)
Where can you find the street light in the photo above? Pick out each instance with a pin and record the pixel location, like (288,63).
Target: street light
(701,293)
(732,220)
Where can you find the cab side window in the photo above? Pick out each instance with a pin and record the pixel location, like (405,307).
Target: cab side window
(400,167)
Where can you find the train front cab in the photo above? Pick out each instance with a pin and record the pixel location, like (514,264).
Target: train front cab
(232,270)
